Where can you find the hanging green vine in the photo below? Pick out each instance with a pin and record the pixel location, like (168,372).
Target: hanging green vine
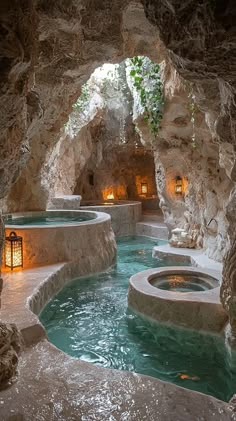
(83,99)
(146,79)
(193,110)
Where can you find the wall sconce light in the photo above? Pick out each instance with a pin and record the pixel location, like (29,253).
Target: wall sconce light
(110,196)
(144,188)
(178,185)
(13,251)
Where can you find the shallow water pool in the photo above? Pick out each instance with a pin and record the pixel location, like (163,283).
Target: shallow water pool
(89,319)
(49,219)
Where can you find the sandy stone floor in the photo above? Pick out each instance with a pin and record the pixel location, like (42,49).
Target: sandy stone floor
(53,386)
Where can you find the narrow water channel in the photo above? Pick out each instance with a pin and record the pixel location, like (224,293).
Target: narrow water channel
(89,319)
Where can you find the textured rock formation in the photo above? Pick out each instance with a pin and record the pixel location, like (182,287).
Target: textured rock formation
(228,290)
(200,38)
(71,40)
(10,338)
(10,345)
(185,148)
(98,152)
(181,238)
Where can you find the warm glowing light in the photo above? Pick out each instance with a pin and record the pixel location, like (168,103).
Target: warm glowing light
(178,185)
(171,187)
(116,192)
(13,251)
(144,188)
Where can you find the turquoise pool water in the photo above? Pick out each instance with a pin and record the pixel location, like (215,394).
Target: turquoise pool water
(89,319)
(57,219)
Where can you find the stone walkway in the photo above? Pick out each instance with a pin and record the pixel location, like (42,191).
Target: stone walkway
(53,386)
(195,257)
(152,225)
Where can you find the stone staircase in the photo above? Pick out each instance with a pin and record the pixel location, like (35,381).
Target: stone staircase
(152,225)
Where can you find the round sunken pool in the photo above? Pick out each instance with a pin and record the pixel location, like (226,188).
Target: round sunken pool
(59,235)
(184,282)
(183,295)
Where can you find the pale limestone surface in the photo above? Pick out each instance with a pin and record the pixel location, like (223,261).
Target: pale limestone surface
(124,215)
(152,229)
(194,257)
(79,242)
(65,202)
(182,238)
(196,310)
(53,386)
(152,225)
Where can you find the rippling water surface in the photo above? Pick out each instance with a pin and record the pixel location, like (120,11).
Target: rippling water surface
(89,319)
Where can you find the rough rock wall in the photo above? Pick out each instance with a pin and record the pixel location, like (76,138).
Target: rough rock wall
(71,39)
(97,153)
(18,51)
(186,148)
(116,171)
(201,40)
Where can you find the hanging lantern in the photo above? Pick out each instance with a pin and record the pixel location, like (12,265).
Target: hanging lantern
(178,185)
(13,251)
(144,188)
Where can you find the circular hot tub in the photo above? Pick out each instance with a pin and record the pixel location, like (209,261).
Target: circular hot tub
(181,295)
(62,236)
(184,282)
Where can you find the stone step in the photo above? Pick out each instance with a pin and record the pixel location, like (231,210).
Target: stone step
(152,229)
(152,217)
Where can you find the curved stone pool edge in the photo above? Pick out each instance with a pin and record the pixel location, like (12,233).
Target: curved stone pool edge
(49,244)
(200,310)
(92,248)
(124,213)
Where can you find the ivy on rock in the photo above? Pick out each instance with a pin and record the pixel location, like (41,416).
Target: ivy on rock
(145,75)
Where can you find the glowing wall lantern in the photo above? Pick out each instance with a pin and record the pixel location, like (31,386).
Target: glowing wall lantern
(110,196)
(178,185)
(144,188)
(13,251)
